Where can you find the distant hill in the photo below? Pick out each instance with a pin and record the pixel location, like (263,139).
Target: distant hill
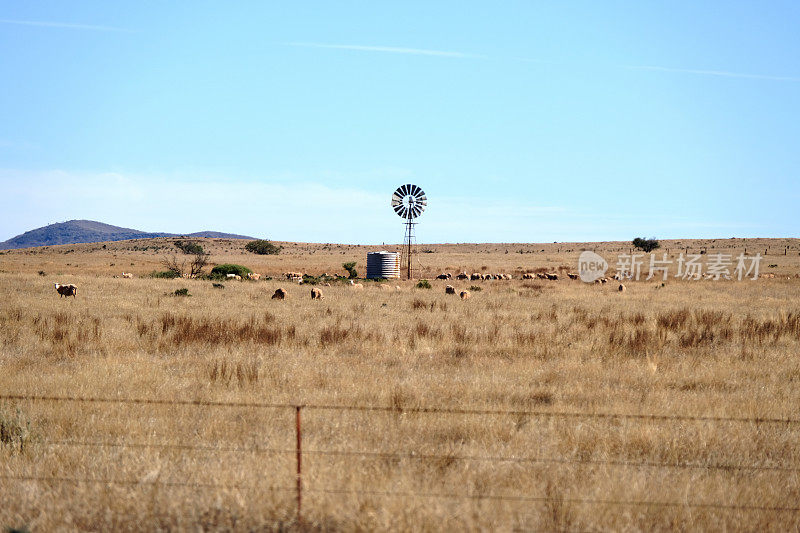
(85,231)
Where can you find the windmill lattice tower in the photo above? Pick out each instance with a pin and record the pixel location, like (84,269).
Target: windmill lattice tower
(409,201)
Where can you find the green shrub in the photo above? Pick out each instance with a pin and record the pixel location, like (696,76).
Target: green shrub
(218,285)
(310,280)
(165,274)
(351,269)
(646,245)
(221,271)
(423,284)
(262,247)
(181,292)
(189,247)
(475,288)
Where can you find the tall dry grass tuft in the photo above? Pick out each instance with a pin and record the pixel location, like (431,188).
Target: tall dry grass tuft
(172,330)
(241,373)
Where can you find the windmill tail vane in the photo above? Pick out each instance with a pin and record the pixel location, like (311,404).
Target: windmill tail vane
(409,201)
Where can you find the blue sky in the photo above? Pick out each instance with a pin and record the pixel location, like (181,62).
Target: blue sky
(523,121)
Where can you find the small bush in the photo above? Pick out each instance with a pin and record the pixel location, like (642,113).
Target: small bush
(262,247)
(189,247)
(351,269)
(646,245)
(218,285)
(42,273)
(164,274)
(475,288)
(181,292)
(423,284)
(221,271)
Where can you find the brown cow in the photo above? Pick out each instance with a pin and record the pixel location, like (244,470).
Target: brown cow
(462,276)
(316,294)
(449,290)
(280,294)
(464,295)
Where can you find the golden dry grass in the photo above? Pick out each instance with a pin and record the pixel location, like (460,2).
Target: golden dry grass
(727,349)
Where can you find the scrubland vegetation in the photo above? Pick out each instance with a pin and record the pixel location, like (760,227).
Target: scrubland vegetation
(717,351)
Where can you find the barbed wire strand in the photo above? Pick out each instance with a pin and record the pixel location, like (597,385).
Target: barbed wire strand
(131,482)
(429,456)
(542,499)
(408,410)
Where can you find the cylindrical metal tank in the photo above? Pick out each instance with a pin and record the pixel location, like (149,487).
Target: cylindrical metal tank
(383,265)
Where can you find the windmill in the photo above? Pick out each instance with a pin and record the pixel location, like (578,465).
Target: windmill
(409,201)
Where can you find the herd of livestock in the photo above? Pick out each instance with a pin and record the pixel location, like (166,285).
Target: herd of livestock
(316,292)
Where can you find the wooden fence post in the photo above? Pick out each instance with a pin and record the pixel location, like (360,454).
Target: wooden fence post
(299,465)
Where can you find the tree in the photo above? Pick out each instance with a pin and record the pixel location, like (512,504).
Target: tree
(172,265)
(262,247)
(351,269)
(646,245)
(189,247)
(198,262)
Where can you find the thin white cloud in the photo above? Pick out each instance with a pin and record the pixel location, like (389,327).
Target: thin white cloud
(721,73)
(388,49)
(67,25)
(462,55)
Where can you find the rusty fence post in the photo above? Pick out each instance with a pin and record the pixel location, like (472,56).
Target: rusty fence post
(299,465)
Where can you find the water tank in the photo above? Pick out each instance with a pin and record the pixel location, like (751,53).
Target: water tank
(383,265)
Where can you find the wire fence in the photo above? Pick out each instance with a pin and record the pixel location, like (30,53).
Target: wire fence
(298,451)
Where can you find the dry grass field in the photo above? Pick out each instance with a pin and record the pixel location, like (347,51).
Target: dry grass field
(716,361)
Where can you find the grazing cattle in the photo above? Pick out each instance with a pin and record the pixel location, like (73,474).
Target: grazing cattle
(552,277)
(462,276)
(127,275)
(622,288)
(464,295)
(475,276)
(279,294)
(66,290)
(293,276)
(358,286)
(444,276)
(528,276)
(603,280)
(253,276)
(316,294)
(234,276)
(572,276)
(449,290)
(541,276)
